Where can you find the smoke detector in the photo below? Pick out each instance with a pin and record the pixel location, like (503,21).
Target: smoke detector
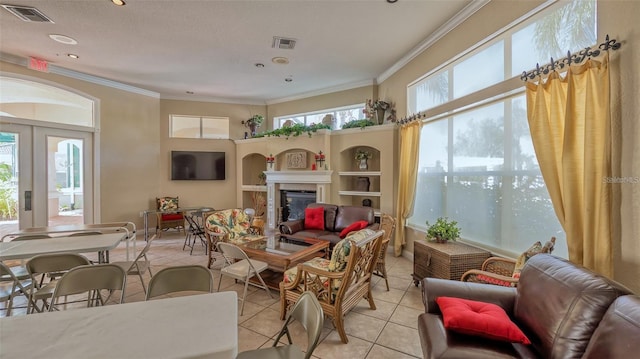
(283,43)
(26,13)
(280,60)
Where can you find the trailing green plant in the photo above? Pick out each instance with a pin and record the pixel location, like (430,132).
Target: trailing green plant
(295,130)
(443,230)
(358,123)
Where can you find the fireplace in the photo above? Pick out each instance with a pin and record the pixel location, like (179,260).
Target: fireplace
(293,203)
(314,185)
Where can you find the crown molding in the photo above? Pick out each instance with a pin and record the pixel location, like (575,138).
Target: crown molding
(57,70)
(454,22)
(323,91)
(214,100)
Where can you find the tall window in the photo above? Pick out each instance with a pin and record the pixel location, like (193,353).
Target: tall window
(342,115)
(199,127)
(477,163)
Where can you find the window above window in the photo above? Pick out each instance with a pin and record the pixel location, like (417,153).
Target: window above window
(341,115)
(216,128)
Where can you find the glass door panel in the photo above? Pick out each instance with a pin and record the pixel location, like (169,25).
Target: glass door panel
(65,169)
(15,178)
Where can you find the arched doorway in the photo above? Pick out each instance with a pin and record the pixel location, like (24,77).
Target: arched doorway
(46,155)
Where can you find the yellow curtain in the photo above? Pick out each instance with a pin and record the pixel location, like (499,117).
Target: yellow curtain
(409,144)
(570,126)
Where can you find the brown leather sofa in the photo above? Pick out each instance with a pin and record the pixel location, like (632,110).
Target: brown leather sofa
(565,310)
(336,218)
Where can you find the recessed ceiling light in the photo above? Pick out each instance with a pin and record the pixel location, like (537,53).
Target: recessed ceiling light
(73,56)
(119,2)
(280,60)
(63,39)
(259,65)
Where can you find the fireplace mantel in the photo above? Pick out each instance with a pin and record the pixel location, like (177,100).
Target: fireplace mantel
(298,176)
(322,180)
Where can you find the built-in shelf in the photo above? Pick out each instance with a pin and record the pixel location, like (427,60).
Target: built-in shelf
(360,173)
(359,193)
(254,188)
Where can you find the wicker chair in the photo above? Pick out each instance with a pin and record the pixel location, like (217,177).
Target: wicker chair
(339,283)
(495,270)
(388,225)
(505,271)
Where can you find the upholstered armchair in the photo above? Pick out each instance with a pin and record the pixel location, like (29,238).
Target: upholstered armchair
(229,225)
(168,215)
(339,283)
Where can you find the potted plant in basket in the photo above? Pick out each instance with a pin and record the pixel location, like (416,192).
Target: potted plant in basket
(254,123)
(443,230)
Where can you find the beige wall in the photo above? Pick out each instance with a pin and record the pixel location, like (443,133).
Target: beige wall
(619,19)
(217,194)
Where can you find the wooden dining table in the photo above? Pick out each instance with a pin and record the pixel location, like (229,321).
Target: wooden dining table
(101,243)
(196,326)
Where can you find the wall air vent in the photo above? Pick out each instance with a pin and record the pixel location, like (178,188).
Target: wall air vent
(283,43)
(25,13)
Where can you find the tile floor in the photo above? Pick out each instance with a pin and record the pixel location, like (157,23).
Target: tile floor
(390,331)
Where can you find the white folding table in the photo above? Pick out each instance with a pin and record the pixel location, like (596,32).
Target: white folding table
(101,243)
(197,326)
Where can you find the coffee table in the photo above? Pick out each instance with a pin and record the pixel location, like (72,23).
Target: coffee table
(283,254)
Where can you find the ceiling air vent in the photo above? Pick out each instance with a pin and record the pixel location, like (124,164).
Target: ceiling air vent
(283,43)
(25,13)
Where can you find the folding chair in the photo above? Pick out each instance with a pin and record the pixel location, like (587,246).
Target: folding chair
(140,265)
(180,279)
(194,232)
(308,312)
(91,279)
(44,264)
(237,265)
(11,286)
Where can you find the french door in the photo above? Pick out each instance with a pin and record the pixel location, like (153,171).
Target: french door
(45,177)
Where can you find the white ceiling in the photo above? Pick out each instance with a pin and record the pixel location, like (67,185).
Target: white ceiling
(210,47)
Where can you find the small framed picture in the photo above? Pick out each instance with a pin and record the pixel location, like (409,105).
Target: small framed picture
(297,160)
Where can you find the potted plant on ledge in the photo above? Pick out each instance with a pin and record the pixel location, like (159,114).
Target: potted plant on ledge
(254,123)
(443,230)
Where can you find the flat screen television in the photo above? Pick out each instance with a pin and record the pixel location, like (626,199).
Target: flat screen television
(197,165)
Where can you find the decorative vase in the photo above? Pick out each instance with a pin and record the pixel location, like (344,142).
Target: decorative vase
(380,116)
(252,128)
(363,164)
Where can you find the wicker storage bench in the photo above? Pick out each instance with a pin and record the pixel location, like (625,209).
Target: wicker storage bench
(445,260)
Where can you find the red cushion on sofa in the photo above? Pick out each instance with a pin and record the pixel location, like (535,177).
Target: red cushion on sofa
(314,218)
(479,318)
(355,226)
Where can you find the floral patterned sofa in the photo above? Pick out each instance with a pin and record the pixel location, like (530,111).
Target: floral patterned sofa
(229,225)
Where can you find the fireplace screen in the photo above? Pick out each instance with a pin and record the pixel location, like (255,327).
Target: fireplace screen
(293,203)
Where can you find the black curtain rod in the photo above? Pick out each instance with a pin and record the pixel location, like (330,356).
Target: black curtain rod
(586,53)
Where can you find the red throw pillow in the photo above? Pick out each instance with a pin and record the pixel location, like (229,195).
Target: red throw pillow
(479,318)
(314,218)
(355,226)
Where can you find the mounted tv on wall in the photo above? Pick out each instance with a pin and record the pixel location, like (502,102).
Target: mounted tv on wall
(194,165)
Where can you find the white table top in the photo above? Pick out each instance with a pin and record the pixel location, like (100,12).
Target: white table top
(78,244)
(196,326)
